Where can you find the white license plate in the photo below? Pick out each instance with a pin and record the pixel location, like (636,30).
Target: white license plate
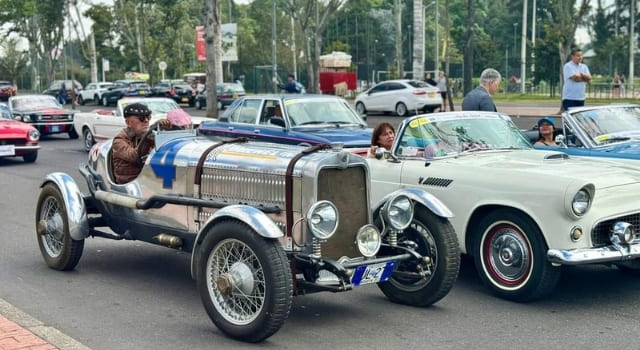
(373,273)
(185,99)
(54,128)
(432,94)
(7,150)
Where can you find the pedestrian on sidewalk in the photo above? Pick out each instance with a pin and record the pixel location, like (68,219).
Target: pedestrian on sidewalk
(479,99)
(576,76)
(442,86)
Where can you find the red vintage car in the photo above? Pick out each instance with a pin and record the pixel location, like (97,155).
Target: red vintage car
(44,113)
(7,89)
(17,139)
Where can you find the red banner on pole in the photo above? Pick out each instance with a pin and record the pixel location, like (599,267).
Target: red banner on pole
(201,53)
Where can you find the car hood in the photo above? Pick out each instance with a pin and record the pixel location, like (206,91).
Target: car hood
(631,147)
(349,136)
(47,111)
(13,129)
(540,165)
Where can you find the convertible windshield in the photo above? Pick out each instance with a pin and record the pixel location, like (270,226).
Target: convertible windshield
(606,125)
(156,106)
(441,137)
(321,111)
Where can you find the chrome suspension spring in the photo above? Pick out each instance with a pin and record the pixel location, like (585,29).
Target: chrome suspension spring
(317,247)
(393,238)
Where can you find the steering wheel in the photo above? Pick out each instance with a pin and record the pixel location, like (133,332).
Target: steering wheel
(143,157)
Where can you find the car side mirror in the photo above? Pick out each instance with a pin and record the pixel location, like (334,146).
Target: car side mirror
(277,121)
(559,139)
(381,153)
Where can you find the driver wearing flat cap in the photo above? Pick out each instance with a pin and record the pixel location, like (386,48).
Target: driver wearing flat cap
(126,159)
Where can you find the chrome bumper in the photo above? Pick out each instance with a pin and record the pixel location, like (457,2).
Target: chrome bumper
(610,253)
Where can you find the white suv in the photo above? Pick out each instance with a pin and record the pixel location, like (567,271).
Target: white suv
(93,92)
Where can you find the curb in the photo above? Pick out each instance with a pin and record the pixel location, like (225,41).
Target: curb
(47,333)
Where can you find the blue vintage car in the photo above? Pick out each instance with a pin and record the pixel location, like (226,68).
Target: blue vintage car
(599,131)
(292,119)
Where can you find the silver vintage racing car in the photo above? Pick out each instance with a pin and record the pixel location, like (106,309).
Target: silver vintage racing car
(263,222)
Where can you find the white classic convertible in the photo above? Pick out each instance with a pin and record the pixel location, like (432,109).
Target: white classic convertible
(101,124)
(521,213)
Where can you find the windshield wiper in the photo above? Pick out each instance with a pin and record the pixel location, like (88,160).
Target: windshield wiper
(346,123)
(313,122)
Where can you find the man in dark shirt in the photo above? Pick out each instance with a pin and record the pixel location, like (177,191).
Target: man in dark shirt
(479,99)
(291,86)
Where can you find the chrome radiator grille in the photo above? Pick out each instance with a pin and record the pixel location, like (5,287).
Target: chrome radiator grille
(234,186)
(347,189)
(600,233)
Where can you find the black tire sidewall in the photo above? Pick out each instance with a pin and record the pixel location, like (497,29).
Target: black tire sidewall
(69,257)
(542,276)
(447,264)
(258,329)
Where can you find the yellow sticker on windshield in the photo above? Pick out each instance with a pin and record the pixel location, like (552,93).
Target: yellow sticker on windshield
(417,122)
(602,138)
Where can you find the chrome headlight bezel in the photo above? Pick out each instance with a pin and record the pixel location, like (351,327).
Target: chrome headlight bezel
(397,212)
(33,135)
(26,118)
(323,212)
(368,240)
(581,202)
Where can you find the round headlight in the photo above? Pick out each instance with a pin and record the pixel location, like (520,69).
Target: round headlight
(322,219)
(581,202)
(398,212)
(26,118)
(624,231)
(34,134)
(368,240)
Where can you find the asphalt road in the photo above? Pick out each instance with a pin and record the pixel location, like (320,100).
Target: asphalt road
(133,295)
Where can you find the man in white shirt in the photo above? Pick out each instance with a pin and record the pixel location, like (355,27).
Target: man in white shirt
(576,76)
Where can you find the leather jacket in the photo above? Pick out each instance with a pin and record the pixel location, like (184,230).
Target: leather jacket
(125,155)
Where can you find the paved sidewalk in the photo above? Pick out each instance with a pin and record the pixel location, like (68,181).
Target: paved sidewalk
(20,331)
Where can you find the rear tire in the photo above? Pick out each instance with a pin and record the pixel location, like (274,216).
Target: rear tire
(510,256)
(244,281)
(59,250)
(437,240)
(88,139)
(81,100)
(105,102)
(401,109)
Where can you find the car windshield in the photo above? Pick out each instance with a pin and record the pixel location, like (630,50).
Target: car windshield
(35,102)
(321,111)
(4,112)
(446,136)
(606,125)
(159,106)
(418,84)
(139,85)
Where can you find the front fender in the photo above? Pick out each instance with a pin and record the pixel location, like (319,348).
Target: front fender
(421,196)
(73,203)
(254,218)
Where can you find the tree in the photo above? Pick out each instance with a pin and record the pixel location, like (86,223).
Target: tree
(212,31)
(564,19)
(312,17)
(14,61)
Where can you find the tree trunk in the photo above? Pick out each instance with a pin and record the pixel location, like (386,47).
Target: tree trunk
(211,30)
(468,49)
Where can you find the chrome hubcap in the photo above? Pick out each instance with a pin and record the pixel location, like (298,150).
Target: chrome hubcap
(509,256)
(236,281)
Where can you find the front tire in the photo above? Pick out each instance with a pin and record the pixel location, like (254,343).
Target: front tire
(81,100)
(59,250)
(73,134)
(401,109)
(198,104)
(88,139)
(244,281)
(510,256)
(30,157)
(437,240)
(105,101)
(360,109)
